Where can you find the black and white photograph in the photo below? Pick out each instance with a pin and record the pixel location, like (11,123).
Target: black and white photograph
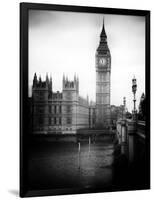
(87,102)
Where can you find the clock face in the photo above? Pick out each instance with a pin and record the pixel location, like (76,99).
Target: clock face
(102,61)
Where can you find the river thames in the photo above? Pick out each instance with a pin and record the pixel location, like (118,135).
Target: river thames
(86,165)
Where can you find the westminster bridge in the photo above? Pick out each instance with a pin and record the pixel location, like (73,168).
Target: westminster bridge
(129,132)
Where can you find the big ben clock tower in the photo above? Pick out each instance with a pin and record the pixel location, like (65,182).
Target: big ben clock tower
(103,71)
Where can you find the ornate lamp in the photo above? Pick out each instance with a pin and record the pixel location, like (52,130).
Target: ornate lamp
(134,89)
(124,104)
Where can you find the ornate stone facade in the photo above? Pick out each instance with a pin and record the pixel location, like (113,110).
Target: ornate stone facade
(66,111)
(103,71)
(60,112)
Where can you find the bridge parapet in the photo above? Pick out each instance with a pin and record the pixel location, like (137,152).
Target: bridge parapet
(141,129)
(128,132)
(131,126)
(121,131)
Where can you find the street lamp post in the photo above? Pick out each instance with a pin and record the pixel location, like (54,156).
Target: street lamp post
(124,109)
(134,88)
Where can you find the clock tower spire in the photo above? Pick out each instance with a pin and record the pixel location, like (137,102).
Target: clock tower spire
(103,71)
(103,33)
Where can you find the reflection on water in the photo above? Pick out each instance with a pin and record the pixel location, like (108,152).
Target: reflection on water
(96,166)
(61,165)
(58,165)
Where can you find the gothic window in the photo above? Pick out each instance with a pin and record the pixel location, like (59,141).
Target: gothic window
(69,120)
(41,109)
(60,120)
(55,109)
(49,120)
(50,109)
(69,96)
(68,109)
(55,120)
(52,120)
(59,109)
(40,95)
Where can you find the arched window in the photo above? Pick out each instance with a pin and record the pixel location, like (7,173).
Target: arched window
(60,109)
(69,120)
(55,109)
(50,109)
(49,120)
(55,120)
(68,109)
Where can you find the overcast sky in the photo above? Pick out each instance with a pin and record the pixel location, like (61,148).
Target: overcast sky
(66,42)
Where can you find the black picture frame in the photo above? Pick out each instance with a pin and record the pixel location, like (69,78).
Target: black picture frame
(24,104)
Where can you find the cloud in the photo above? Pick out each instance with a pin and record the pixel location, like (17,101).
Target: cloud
(66,42)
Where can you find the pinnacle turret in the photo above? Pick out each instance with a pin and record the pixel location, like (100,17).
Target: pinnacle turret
(47,78)
(35,80)
(103,46)
(103,33)
(69,85)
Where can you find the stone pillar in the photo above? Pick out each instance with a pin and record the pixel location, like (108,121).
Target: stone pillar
(122,136)
(132,127)
(131,147)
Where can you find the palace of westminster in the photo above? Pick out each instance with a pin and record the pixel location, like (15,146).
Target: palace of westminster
(66,111)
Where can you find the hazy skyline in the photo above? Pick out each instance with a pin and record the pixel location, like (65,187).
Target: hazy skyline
(66,42)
